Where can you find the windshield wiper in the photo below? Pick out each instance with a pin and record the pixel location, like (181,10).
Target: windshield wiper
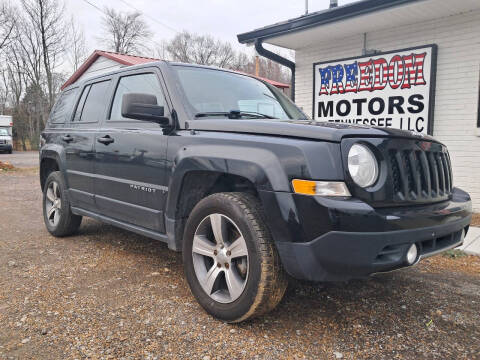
(234,114)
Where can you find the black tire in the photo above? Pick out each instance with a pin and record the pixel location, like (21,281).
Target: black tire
(10,151)
(266,282)
(67,223)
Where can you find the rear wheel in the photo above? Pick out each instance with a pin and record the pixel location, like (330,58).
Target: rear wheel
(231,263)
(57,214)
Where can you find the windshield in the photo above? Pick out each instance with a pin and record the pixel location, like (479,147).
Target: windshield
(4,132)
(217,93)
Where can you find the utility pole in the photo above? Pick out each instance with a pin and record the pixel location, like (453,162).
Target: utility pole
(257,66)
(306,7)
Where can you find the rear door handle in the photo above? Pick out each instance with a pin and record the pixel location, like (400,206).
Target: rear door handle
(67,138)
(105,140)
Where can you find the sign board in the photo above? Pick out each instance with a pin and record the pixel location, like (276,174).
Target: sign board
(393,89)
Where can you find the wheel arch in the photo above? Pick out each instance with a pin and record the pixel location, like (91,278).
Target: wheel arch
(50,160)
(197,177)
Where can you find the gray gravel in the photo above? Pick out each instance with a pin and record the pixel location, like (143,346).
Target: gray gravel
(107,293)
(21,159)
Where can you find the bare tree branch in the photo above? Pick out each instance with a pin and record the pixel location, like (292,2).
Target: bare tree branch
(7,23)
(47,18)
(125,33)
(77,51)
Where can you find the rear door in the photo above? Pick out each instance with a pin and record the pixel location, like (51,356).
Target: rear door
(79,140)
(131,183)
(58,125)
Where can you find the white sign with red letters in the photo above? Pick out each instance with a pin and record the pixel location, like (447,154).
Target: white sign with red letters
(394,89)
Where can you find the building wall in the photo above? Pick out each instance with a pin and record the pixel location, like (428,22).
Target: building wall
(457,90)
(100,66)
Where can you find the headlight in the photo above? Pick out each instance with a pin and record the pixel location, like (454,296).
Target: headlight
(9,142)
(362,165)
(321,188)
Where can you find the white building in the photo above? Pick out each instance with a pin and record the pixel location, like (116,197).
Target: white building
(437,41)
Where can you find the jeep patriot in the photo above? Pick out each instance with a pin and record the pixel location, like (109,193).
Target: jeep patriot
(225,168)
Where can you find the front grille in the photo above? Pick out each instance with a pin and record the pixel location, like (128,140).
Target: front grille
(419,174)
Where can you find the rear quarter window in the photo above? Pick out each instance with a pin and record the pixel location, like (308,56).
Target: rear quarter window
(63,107)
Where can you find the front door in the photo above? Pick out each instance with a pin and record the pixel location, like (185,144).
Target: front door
(130,182)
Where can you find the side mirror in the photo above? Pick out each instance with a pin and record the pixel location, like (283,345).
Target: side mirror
(143,107)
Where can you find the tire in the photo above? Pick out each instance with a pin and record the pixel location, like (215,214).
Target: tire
(259,271)
(61,222)
(10,151)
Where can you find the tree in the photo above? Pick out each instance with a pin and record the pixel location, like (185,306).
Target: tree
(205,50)
(201,49)
(7,23)
(77,51)
(47,19)
(125,33)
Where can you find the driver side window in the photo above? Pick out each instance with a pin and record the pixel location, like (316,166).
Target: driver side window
(141,83)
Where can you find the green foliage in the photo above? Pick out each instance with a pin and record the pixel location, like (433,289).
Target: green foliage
(454,253)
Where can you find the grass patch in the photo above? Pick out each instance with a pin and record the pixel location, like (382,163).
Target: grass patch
(454,254)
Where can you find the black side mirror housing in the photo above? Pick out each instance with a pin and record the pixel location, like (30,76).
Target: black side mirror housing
(143,107)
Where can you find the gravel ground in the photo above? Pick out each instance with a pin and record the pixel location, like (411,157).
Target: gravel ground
(106,293)
(21,159)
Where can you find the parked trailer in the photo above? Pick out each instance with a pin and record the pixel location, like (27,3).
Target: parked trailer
(6,122)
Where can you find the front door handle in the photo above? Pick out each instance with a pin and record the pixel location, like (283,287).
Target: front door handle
(67,138)
(105,140)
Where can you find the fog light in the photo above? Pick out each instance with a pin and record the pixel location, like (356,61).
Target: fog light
(412,254)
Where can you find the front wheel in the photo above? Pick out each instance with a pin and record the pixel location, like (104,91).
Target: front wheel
(58,217)
(231,263)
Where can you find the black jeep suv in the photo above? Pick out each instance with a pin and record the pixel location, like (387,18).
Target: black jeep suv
(226,169)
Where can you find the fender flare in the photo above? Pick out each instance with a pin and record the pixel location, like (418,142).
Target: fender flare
(57,153)
(262,169)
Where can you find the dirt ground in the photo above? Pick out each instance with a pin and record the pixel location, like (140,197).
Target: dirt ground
(476,220)
(21,159)
(107,293)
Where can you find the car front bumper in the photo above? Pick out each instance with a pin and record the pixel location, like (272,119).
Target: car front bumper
(358,240)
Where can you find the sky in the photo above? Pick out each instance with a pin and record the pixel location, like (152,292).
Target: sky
(223,19)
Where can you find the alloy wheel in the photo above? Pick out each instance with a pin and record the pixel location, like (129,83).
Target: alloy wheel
(53,203)
(220,258)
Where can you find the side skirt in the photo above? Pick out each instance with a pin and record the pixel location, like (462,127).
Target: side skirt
(133,228)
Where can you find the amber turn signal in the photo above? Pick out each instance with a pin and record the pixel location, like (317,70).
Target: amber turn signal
(320,188)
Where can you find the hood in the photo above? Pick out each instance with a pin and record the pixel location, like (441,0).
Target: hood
(308,129)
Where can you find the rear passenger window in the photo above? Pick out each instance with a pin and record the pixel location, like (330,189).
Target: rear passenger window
(141,83)
(91,106)
(63,107)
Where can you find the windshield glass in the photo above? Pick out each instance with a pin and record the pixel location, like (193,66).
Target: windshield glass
(3,132)
(212,93)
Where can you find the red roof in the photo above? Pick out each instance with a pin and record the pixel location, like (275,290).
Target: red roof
(135,60)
